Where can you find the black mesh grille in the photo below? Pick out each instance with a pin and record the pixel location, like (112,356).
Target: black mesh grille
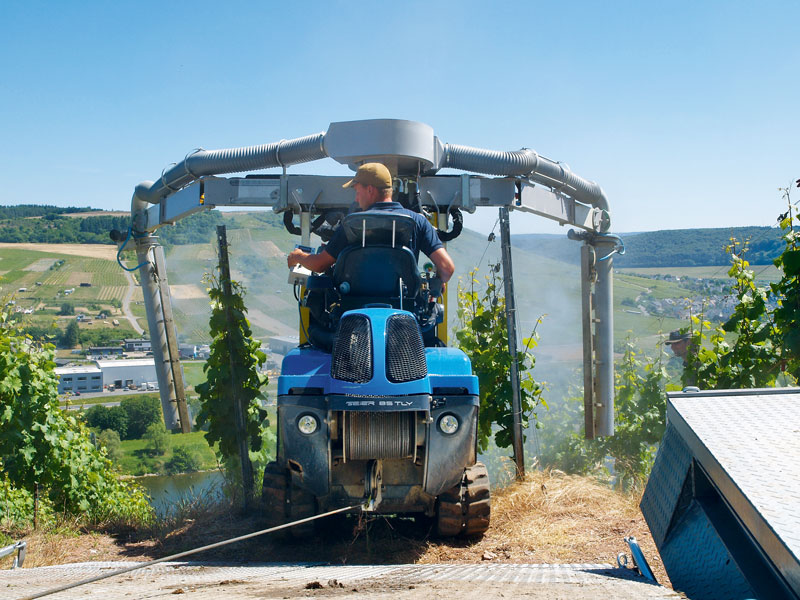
(405,353)
(352,351)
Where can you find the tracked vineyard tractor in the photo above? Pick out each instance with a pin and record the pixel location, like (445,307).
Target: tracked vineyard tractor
(375,406)
(372,403)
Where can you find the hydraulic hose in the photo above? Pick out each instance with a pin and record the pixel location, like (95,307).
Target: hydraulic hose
(525,163)
(201,162)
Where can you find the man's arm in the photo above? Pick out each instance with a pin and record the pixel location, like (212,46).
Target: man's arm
(445,267)
(318,263)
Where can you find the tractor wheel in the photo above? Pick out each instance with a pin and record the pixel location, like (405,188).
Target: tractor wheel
(465,508)
(476,501)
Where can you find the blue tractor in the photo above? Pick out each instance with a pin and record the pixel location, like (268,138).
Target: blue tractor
(374,406)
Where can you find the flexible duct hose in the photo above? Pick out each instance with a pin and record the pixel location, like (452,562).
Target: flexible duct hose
(525,163)
(458,225)
(234,160)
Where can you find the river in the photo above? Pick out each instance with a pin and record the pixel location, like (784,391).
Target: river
(168,490)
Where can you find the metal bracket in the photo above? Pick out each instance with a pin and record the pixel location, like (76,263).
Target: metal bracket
(19,548)
(639,561)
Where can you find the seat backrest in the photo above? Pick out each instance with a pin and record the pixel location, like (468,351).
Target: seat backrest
(376,271)
(376,227)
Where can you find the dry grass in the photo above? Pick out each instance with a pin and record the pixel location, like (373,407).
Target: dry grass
(557,518)
(106,251)
(550,518)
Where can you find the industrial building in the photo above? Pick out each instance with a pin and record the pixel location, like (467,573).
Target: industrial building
(136,345)
(123,373)
(86,378)
(105,373)
(282,344)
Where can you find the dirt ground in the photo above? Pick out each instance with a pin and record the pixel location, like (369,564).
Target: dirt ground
(550,518)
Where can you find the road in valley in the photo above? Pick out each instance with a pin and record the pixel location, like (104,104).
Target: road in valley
(126,303)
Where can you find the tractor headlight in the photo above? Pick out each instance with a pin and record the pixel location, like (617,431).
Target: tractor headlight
(448,424)
(307,424)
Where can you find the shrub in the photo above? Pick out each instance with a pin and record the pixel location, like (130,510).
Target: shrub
(157,438)
(114,418)
(183,460)
(111,442)
(142,411)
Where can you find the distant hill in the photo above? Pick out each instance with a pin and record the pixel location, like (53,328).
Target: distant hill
(23,211)
(667,248)
(57,225)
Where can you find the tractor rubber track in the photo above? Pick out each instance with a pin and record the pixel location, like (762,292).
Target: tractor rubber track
(283,502)
(465,509)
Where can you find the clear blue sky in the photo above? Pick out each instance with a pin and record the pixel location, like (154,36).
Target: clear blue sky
(687,113)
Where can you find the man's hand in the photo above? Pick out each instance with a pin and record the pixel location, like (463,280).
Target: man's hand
(318,263)
(296,257)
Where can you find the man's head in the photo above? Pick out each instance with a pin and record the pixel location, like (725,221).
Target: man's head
(679,342)
(373,183)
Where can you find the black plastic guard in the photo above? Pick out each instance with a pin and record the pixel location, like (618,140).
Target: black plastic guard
(308,461)
(448,455)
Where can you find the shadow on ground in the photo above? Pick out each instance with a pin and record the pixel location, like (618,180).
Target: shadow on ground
(339,539)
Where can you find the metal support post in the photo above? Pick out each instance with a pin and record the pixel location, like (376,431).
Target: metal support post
(441,329)
(604,335)
(148,275)
(587,317)
(171,333)
(511,324)
(238,409)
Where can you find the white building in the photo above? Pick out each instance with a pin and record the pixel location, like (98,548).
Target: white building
(123,373)
(86,378)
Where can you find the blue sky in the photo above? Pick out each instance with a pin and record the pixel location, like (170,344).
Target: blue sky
(686,113)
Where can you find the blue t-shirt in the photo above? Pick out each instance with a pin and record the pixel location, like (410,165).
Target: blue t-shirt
(424,238)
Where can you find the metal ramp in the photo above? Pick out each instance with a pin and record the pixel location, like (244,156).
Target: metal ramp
(723,499)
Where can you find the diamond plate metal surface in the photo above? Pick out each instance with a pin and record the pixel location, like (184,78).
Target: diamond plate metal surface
(213,580)
(749,443)
(699,564)
(664,485)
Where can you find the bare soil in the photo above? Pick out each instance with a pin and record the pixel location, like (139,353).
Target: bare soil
(550,518)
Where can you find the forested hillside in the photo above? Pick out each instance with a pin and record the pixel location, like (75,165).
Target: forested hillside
(50,225)
(668,248)
(22,211)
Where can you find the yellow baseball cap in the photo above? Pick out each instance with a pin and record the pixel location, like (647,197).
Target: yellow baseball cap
(374,174)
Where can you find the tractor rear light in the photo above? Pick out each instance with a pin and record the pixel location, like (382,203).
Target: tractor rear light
(307,424)
(448,424)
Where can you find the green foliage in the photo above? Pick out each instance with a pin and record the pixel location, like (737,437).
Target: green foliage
(142,411)
(759,346)
(184,460)
(105,336)
(233,347)
(751,359)
(639,414)
(41,445)
(157,438)
(483,336)
(67,308)
(787,292)
(71,335)
(22,211)
(111,442)
(114,418)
